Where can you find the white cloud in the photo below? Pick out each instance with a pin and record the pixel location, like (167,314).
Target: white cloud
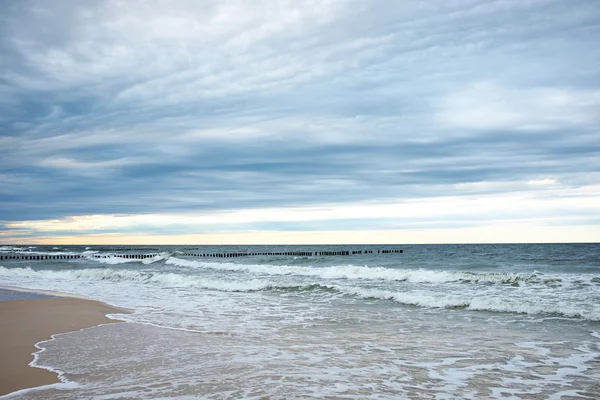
(488,106)
(155,49)
(83,165)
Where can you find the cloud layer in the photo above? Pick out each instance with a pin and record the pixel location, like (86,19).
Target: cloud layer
(153,118)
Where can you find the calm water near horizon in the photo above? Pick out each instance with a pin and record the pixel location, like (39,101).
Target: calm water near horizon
(518,321)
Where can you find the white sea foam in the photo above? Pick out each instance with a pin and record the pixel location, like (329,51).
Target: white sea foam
(153,278)
(11,248)
(156,258)
(112,259)
(454,295)
(61,386)
(528,303)
(354,272)
(526,306)
(429,300)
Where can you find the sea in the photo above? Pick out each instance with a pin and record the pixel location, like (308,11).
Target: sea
(485,321)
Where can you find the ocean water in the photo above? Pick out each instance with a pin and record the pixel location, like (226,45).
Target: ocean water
(434,322)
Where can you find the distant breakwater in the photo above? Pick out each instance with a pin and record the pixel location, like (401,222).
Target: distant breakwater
(35,257)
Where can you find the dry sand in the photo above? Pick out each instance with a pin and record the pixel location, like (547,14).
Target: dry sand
(23,323)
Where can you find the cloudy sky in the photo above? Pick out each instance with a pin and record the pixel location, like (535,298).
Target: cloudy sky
(300,121)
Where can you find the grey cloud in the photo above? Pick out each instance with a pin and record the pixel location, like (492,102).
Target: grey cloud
(116,107)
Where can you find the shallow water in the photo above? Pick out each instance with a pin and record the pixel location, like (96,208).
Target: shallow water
(439,322)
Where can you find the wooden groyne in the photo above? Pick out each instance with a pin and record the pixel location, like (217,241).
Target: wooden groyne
(35,257)
(39,257)
(294,253)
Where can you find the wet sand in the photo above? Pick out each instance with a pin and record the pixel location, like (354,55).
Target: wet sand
(23,323)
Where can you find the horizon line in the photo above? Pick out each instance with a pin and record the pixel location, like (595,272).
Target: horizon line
(300,244)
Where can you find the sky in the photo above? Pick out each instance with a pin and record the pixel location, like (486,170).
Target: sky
(301,121)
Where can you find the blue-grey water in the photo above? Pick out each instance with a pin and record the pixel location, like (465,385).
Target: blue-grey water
(434,322)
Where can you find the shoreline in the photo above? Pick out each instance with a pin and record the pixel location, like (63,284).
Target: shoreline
(28,321)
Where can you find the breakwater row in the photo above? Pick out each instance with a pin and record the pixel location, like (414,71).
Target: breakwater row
(40,257)
(294,253)
(34,257)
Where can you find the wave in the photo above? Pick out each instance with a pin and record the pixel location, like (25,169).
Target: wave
(311,287)
(529,301)
(475,302)
(161,279)
(111,259)
(346,272)
(353,272)
(11,248)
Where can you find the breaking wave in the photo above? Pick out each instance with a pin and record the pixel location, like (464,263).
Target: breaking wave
(353,272)
(110,259)
(529,301)
(475,302)
(161,279)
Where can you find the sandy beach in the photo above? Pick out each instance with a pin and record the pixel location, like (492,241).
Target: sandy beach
(28,321)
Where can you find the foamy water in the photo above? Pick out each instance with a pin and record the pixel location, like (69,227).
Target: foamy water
(435,322)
